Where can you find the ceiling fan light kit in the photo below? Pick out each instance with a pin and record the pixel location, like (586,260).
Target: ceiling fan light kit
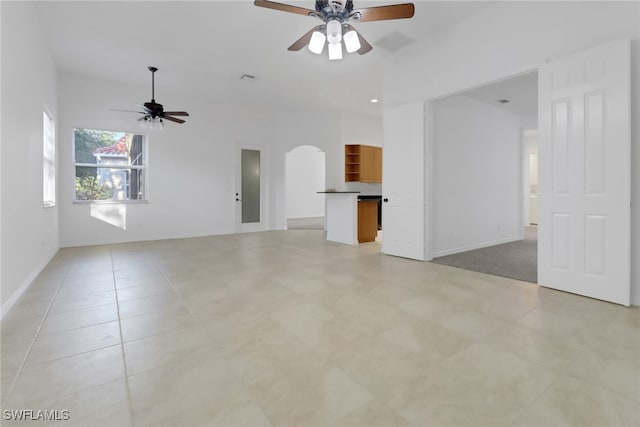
(351,41)
(335,51)
(316,44)
(152,123)
(336,14)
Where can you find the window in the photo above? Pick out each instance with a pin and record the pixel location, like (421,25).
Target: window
(48,161)
(110,166)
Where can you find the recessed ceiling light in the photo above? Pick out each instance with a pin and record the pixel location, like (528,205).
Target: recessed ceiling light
(374,100)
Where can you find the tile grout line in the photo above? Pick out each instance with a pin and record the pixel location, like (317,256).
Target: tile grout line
(124,359)
(35,336)
(175,291)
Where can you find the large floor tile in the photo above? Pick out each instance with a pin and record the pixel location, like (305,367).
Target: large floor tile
(190,384)
(156,322)
(309,394)
(165,348)
(67,343)
(103,405)
(67,375)
(82,302)
(287,329)
(149,305)
(500,372)
(572,402)
(305,321)
(68,320)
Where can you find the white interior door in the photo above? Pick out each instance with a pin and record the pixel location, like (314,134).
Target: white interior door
(403,186)
(250,185)
(584,161)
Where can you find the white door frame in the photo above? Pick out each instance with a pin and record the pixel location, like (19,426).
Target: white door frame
(429,171)
(429,143)
(264,186)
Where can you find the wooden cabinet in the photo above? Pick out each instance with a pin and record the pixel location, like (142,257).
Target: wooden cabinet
(367,220)
(362,163)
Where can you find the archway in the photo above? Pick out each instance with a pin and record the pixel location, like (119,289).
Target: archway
(304,177)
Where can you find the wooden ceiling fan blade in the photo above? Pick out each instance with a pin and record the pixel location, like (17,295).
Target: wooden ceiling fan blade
(173,119)
(365,47)
(304,40)
(283,7)
(381,13)
(176,113)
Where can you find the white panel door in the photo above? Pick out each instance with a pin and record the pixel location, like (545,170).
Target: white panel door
(403,185)
(584,161)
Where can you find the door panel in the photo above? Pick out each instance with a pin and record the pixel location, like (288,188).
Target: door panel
(403,187)
(250,171)
(584,206)
(250,197)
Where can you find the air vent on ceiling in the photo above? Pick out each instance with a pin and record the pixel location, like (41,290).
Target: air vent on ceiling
(503,101)
(394,41)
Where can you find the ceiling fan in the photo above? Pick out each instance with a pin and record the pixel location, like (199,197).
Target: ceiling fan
(153,113)
(336,15)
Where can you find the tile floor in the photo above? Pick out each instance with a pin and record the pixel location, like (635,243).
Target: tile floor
(286,329)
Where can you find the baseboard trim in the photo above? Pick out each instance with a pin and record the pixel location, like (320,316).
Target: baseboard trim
(8,305)
(477,246)
(124,241)
(306,217)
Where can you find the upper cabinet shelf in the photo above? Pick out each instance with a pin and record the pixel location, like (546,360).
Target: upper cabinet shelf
(362,163)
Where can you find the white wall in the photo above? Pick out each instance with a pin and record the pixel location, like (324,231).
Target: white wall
(191,166)
(29,231)
(476,175)
(191,172)
(635,172)
(304,178)
(509,38)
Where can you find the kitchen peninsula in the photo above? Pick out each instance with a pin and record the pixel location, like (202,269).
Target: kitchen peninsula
(350,218)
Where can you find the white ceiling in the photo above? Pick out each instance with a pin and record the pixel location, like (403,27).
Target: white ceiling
(203,47)
(521,91)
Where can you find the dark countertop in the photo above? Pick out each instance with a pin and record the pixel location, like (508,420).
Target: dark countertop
(338,192)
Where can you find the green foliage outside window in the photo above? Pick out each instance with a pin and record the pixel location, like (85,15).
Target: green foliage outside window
(88,140)
(88,188)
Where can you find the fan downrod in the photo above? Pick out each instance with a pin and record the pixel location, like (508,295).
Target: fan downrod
(153,83)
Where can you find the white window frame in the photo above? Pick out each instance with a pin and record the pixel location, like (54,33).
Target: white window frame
(48,160)
(144,167)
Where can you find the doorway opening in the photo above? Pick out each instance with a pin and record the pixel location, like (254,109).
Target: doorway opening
(484,178)
(304,177)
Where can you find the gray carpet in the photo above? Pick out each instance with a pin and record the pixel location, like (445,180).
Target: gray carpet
(515,260)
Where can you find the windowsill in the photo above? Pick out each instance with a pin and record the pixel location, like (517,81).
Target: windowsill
(110,202)
(48,205)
